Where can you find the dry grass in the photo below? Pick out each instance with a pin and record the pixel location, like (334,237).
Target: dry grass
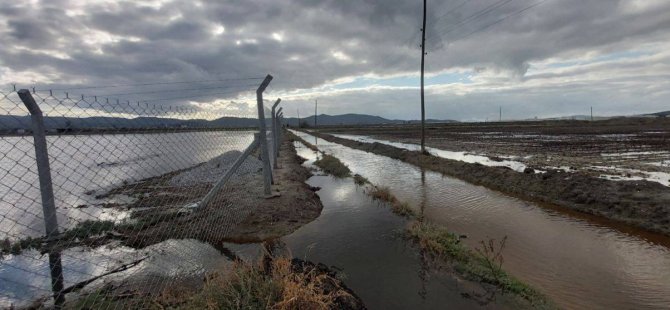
(247,286)
(251,287)
(398,207)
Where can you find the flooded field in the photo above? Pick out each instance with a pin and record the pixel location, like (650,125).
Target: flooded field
(578,261)
(85,166)
(618,149)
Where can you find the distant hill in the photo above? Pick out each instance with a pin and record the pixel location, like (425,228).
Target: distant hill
(661,114)
(353,119)
(11,123)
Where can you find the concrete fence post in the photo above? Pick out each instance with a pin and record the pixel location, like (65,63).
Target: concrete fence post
(265,154)
(280,122)
(276,116)
(275,134)
(46,192)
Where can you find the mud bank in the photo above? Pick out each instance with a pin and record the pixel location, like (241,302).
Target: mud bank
(240,213)
(639,203)
(296,205)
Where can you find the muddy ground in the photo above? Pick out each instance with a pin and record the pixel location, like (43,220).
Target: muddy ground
(611,147)
(642,204)
(166,207)
(239,213)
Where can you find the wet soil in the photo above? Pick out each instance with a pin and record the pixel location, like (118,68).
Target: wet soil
(588,147)
(642,204)
(292,205)
(296,205)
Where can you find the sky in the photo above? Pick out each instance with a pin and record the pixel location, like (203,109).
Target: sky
(530,58)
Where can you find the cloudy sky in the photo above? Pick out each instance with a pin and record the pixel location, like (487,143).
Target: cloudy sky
(531,57)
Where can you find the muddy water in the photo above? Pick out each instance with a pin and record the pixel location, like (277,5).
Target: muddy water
(363,239)
(579,262)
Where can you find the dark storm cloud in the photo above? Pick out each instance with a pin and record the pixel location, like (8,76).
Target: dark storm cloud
(307,43)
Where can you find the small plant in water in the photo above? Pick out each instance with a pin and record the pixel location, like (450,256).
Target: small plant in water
(334,166)
(491,256)
(360,180)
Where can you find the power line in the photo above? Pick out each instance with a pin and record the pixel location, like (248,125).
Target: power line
(449,12)
(519,12)
(488,9)
(161,83)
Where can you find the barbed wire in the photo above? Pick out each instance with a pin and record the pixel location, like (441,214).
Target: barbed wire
(151,84)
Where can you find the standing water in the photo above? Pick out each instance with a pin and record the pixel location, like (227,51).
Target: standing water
(578,262)
(361,237)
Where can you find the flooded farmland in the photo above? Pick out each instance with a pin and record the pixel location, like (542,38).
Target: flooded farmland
(578,261)
(617,149)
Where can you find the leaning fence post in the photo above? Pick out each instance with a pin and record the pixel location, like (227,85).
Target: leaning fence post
(238,162)
(46,191)
(265,154)
(274,131)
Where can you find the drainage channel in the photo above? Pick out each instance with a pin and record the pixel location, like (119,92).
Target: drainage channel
(578,261)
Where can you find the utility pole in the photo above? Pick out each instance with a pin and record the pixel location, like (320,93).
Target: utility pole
(316,104)
(423,56)
(500,115)
(592,113)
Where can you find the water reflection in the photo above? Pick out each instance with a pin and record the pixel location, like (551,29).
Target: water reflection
(577,261)
(361,238)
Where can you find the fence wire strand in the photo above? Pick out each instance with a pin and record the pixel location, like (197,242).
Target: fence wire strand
(127,179)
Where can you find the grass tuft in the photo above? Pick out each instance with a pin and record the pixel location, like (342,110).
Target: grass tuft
(332,165)
(82,231)
(484,264)
(360,180)
(285,286)
(398,207)
(86,229)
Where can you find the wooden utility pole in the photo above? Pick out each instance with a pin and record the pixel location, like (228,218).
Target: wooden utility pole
(423,55)
(316,104)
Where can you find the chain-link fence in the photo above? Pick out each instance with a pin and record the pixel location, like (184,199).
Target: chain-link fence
(102,194)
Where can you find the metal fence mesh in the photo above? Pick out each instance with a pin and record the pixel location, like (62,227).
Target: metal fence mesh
(127,181)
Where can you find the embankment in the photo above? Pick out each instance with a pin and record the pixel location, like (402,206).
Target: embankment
(642,204)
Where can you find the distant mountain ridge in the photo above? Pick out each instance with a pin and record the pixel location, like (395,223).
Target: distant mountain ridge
(661,114)
(353,119)
(10,123)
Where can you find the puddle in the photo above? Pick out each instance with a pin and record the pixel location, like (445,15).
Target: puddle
(579,261)
(26,277)
(632,174)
